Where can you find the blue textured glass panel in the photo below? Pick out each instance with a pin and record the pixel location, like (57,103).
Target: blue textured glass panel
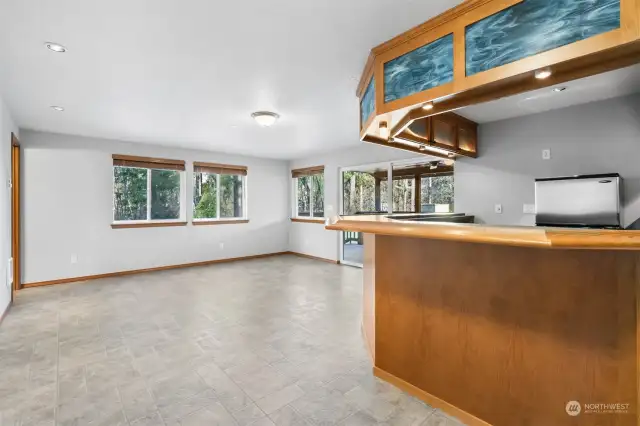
(368,102)
(421,69)
(535,26)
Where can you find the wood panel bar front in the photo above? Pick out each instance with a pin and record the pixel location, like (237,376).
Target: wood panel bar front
(502,335)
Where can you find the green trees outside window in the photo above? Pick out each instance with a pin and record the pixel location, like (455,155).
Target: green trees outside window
(165,194)
(437,191)
(145,194)
(129,193)
(206,198)
(310,193)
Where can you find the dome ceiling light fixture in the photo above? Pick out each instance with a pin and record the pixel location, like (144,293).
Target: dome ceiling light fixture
(55,47)
(265,118)
(57,108)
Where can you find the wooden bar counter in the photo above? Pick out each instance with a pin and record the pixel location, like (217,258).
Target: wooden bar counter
(504,326)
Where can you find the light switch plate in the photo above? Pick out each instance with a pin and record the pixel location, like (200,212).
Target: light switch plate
(529,208)
(546,154)
(498,208)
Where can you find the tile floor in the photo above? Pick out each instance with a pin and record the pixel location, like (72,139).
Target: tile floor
(264,342)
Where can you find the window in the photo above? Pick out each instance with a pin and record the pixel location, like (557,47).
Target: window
(403,195)
(437,194)
(147,190)
(308,185)
(219,192)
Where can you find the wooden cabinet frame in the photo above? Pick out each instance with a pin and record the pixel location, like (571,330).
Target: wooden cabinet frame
(601,53)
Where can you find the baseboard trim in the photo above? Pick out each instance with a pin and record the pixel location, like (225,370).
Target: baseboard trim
(434,401)
(169,267)
(156,269)
(308,256)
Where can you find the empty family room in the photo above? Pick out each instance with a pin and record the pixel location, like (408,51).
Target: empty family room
(293,213)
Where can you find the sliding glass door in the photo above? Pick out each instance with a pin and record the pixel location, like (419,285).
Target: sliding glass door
(364,191)
(422,185)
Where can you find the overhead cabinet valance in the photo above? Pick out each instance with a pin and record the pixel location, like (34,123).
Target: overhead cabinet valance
(219,169)
(309,171)
(147,162)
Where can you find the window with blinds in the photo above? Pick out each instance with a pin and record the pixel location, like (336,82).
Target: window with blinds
(219,192)
(148,189)
(308,185)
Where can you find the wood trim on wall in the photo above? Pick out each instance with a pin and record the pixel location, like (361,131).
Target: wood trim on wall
(219,222)
(307,171)
(147,225)
(145,270)
(219,169)
(301,220)
(167,268)
(452,410)
(308,256)
(148,162)
(15,214)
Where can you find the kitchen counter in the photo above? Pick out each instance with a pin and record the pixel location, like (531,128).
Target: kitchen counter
(520,236)
(500,325)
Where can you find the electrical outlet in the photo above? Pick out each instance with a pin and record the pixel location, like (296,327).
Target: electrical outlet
(529,208)
(74,259)
(221,246)
(546,154)
(498,208)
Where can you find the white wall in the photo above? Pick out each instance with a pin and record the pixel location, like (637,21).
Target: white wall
(599,137)
(7,126)
(67,190)
(313,239)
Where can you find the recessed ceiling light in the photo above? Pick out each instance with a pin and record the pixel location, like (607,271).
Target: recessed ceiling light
(428,106)
(543,73)
(559,89)
(265,118)
(55,47)
(57,108)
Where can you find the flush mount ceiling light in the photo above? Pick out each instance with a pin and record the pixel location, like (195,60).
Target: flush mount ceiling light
(428,106)
(384,130)
(55,47)
(265,118)
(57,108)
(543,73)
(559,89)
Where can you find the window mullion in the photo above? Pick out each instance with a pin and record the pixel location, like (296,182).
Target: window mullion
(310,196)
(218,189)
(148,194)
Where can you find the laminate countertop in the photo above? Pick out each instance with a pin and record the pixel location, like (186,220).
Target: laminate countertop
(520,236)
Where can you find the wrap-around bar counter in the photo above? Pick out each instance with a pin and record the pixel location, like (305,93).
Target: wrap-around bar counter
(504,326)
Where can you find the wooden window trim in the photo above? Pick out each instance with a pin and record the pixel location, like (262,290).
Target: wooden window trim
(219,169)
(308,171)
(317,221)
(146,225)
(148,162)
(219,222)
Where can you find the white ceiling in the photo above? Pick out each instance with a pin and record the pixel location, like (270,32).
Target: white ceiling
(189,73)
(595,88)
